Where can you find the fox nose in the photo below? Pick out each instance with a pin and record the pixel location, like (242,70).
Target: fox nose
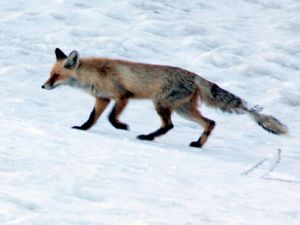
(43,86)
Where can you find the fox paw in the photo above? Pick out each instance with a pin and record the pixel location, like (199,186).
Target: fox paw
(195,144)
(145,137)
(79,128)
(121,126)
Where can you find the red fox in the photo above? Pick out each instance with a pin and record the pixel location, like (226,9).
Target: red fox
(171,89)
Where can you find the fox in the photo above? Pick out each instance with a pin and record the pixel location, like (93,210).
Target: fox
(171,89)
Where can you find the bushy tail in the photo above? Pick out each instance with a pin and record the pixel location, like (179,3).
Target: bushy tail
(214,96)
(268,122)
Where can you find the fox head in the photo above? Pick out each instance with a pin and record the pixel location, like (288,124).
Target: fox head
(63,70)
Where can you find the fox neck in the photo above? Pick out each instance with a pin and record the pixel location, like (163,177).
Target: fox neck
(74,82)
(79,81)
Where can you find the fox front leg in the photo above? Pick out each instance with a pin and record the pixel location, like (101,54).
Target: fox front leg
(100,105)
(115,113)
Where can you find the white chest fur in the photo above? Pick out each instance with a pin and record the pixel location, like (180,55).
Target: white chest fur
(89,89)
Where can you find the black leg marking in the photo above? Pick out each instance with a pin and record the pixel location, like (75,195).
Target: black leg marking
(204,136)
(146,137)
(116,111)
(195,144)
(165,115)
(151,136)
(119,125)
(112,119)
(88,123)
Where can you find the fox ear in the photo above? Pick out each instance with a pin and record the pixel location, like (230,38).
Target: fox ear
(72,60)
(59,54)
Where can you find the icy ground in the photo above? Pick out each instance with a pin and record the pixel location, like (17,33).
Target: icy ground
(53,175)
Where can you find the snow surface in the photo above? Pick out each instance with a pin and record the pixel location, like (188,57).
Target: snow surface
(51,174)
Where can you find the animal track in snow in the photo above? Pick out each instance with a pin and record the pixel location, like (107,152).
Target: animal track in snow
(265,167)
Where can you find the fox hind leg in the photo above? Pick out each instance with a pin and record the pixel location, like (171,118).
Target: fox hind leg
(190,112)
(166,123)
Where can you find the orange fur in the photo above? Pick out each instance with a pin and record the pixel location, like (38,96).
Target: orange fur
(170,89)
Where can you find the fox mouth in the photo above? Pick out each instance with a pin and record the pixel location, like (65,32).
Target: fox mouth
(53,84)
(48,86)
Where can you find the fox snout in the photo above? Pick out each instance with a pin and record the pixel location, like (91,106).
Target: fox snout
(47,86)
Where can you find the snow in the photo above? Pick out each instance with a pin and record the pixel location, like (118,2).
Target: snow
(51,174)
